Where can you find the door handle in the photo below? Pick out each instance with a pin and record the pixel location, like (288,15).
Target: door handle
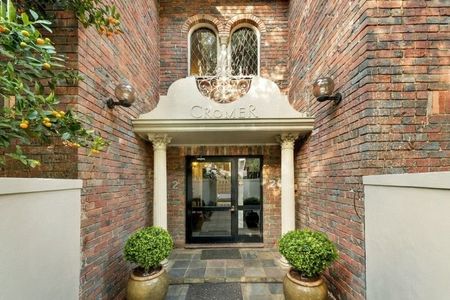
(232,209)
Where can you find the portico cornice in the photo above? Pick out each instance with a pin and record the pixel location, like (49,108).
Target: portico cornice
(221,132)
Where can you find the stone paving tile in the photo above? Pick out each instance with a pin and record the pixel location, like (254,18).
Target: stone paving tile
(178,264)
(254,272)
(234,272)
(216,263)
(265,255)
(275,288)
(177,273)
(195,273)
(275,272)
(197,264)
(178,290)
(234,263)
(184,256)
(268,263)
(252,263)
(215,272)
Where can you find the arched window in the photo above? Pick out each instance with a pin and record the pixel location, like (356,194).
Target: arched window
(203,52)
(244,51)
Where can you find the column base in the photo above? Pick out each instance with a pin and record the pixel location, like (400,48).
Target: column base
(283,262)
(165,263)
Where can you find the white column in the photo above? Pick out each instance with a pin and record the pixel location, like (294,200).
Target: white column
(287,142)
(287,182)
(159,179)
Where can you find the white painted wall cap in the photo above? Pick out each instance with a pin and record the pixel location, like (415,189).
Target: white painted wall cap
(33,185)
(431,180)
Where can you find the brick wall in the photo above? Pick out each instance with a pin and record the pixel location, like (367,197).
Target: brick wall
(174,40)
(176,181)
(389,60)
(117,190)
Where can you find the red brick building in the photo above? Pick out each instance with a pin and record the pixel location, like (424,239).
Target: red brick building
(389,60)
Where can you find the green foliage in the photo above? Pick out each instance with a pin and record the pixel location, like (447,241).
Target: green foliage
(30,70)
(308,252)
(148,247)
(89,12)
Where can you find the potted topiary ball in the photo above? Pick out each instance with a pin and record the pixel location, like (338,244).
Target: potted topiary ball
(147,248)
(309,253)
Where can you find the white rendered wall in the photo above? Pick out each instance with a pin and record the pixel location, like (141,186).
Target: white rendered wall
(39,239)
(408,236)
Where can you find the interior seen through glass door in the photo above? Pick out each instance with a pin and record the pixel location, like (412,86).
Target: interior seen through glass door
(249,199)
(211,199)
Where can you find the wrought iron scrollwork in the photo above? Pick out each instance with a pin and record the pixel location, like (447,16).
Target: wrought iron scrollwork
(223,89)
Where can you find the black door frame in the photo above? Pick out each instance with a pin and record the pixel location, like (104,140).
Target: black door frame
(234,237)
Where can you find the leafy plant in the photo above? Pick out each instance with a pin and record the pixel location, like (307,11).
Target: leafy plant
(147,247)
(308,252)
(89,12)
(30,70)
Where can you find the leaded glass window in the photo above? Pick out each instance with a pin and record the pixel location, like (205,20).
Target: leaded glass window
(203,52)
(244,52)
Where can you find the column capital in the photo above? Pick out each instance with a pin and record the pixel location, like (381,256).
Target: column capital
(159,141)
(287,140)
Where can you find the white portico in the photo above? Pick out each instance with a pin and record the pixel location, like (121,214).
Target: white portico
(185,117)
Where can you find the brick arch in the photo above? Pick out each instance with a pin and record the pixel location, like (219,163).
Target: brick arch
(201,18)
(246,18)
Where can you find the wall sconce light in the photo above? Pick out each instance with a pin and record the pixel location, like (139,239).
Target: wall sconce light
(126,95)
(323,89)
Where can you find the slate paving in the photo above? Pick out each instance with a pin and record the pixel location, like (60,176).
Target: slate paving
(225,265)
(240,274)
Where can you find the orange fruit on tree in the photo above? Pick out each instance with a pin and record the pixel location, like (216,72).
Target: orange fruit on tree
(23,125)
(40,41)
(46,66)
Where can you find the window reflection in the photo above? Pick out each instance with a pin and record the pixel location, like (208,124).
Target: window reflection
(203,52)
(249,197)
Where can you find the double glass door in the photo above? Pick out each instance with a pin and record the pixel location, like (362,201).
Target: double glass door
(224,199)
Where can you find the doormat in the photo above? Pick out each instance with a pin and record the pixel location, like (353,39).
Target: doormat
(220,254)
(216,291)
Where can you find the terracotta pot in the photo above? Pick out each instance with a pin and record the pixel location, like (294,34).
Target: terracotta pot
(298,289)
(152,287)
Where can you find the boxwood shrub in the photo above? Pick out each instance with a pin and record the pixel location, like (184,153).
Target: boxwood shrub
(148,247)
(308,252)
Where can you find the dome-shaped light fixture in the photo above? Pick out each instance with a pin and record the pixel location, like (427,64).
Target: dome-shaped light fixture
(323,89)
(126,95)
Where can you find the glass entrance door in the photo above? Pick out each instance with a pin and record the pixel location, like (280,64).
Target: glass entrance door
(223,200)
